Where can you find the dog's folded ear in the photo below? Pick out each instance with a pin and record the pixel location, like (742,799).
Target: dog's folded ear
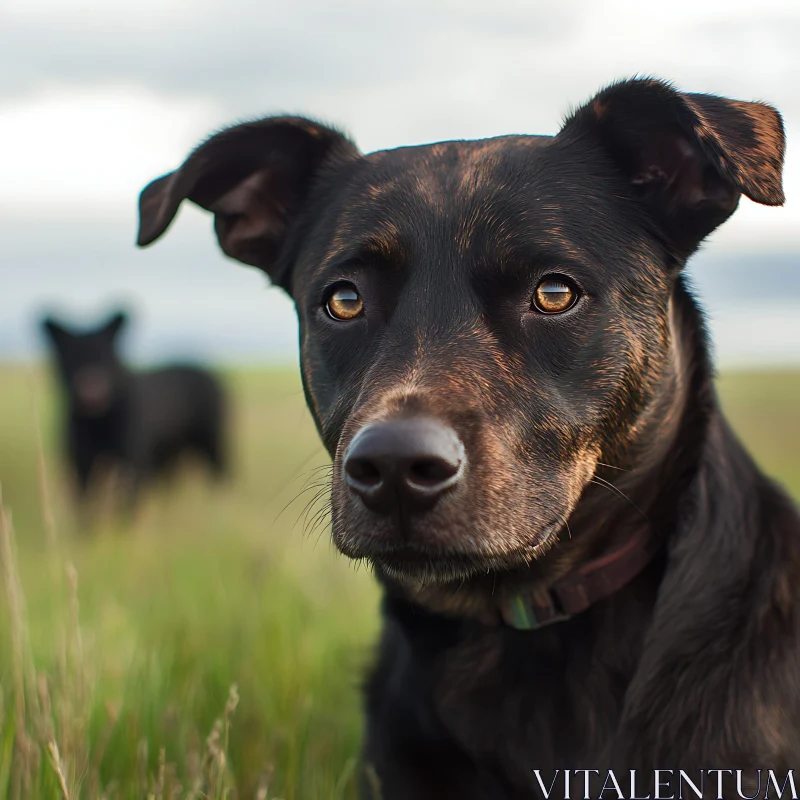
(688,156)
(254,178)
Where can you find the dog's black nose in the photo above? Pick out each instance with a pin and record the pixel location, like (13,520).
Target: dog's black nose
(405,462)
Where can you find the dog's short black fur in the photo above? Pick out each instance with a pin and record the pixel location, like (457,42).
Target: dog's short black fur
(483,447)
(140,423)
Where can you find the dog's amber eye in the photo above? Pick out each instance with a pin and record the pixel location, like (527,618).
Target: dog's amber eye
(345,303)
(553,295)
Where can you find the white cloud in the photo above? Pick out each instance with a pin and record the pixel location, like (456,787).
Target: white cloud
(92,146)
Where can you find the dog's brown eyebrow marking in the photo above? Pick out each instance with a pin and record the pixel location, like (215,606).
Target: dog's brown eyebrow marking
(544,246)
(382,246)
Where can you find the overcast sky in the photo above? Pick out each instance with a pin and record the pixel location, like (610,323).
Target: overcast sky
(100,96)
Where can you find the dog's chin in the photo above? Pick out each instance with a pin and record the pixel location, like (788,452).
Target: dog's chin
(442,570)
(442,566)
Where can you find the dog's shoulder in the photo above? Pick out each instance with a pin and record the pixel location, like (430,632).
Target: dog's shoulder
(725,634)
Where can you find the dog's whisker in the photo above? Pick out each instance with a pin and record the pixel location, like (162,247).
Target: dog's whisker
(311,517)
(318,520)
(317,515)
(322,468)
(309,508)
(300,473)
(312,529)
(602,482)
(316,480)
(318,486)
(611,466)
(320,534)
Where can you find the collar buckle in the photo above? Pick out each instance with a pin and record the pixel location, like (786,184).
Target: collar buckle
(519,612)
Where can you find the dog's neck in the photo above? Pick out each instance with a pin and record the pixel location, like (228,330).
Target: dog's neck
(633,503)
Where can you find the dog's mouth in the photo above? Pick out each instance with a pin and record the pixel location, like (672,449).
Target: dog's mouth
(432,568)
(470,553)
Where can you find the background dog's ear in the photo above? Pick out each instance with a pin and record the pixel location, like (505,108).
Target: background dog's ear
(53,329)
(689,156)
(254,178)
(114,324)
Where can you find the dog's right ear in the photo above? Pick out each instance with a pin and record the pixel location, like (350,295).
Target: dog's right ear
(255,178)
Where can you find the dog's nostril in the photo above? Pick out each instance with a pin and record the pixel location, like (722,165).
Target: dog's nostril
(363,471)
(431,471)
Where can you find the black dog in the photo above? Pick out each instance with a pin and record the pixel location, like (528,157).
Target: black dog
(141,422)
(583,568)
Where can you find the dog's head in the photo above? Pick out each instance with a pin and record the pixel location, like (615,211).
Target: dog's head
(481,322)
(88,364)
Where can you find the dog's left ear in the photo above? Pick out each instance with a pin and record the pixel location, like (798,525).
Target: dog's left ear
(688,156)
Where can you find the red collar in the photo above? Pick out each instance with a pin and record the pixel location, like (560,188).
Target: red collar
(574,593)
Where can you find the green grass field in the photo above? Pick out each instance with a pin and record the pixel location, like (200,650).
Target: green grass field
(119,649)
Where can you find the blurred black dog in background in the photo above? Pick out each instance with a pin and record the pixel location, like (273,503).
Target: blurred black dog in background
(139,423)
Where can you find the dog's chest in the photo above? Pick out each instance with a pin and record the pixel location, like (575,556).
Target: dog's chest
(528,701)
